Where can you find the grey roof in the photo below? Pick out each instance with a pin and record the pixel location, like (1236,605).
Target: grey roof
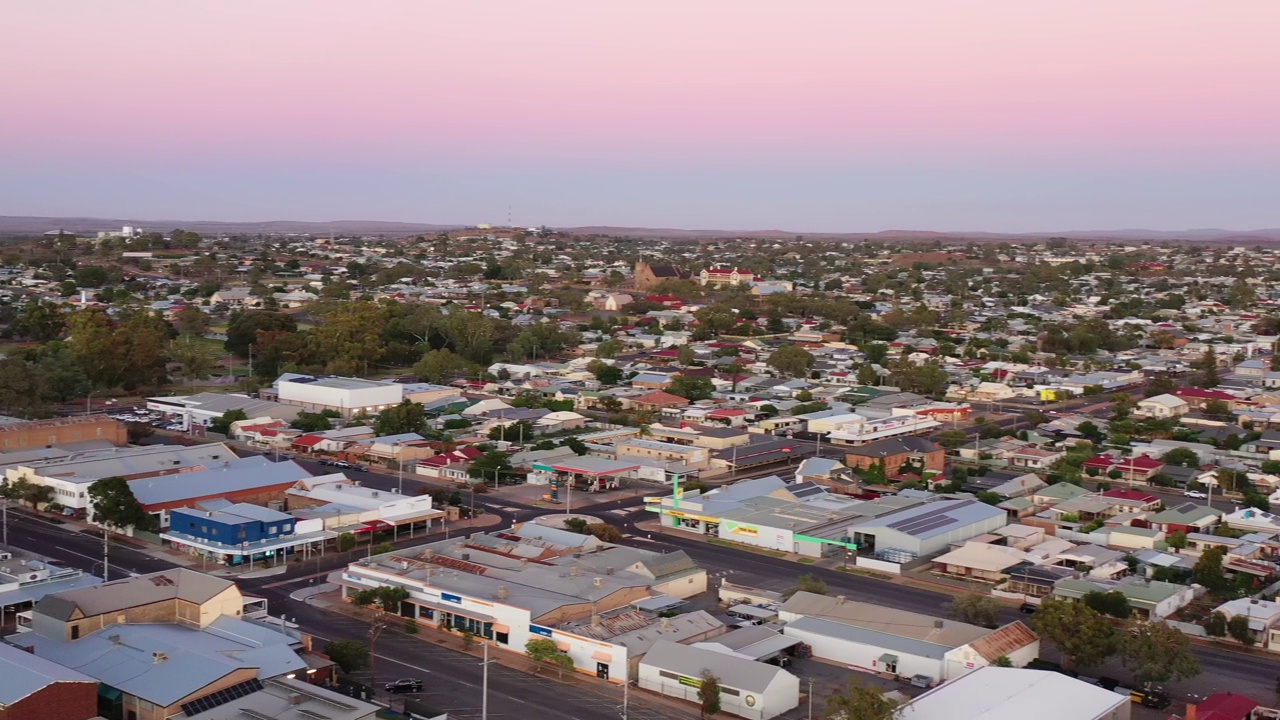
(132,461)
(285,699)
(23,674)
(33,593)
(164,663)
(178,583)
(934,518)
(733,672)
(234,476)
(882,640)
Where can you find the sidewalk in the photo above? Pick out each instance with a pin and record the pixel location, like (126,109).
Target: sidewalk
(331,601)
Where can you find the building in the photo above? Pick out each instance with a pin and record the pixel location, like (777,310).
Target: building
(32,688)
(860,430)
(236,533)
(254,480)
(200,410)
(71,476)
(647,276)
(655,401)
(62,431)
(530,581)
(345,396)
(285,698)
(887,640)
(748,688)
(1263,617)
(344,506)
(1150,599)
(894,453)
(998,693)
(926,529)
(726,277)
(26,577)
(1163,406)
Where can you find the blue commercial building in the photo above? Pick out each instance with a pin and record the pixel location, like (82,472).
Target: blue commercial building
(234,533)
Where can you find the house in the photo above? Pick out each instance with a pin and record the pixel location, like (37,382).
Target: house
(1128,500)
(656,400)
(1163,407)
(344,506)
(236,533)
(1034,458)
(1222,706)
(1186,517)
(32,688)
(1263,617)
(997,692)
(726,277)
(748,688)
(647,276)
(253,479)
(234,297)
(887,640)
(893,453)
(828,473)
(454,465)
(1150,599)
(981,561)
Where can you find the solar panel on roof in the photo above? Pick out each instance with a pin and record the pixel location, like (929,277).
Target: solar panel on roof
(221,697)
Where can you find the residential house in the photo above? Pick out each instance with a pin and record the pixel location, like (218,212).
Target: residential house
(1150,599)
(1163,407)
(1031,457)
(1263,617)
(1186,517)
(893,453)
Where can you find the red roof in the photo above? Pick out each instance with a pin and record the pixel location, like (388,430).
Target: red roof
(726,413)
(308,440)
(1142,462)
(1134,495)
(1226,706)
(659,397)
(1202,394)
(1100,461)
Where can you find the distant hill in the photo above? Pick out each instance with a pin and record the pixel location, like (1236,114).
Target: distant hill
(10,224)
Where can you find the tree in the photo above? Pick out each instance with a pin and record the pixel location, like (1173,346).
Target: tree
(517,432)
(91,276)
(115,507)
(989,497)
(1181,457)
(386,597)
(490,466)
(127,350)
(438,365)
(1238,628)
(692,389)
(1158,653)
(862,702)
(1207,366)
(867,375)
(350,655)
(544,651)
(807,583)
(686,355)
(1216,625)
(194,359)
(709,694)
(1091,431)
(1218,409)
(222,423)
(346,541)
(243,329)
(407,417)
(605,373)
(792,361)
(1003,661)
(1176,540)
(609,349)
(312,422)
(975,609)
(190,320)
(1082,634)
(1208,569)
(1113,603)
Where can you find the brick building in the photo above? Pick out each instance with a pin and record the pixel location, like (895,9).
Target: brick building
(32,688)
(61,431)
(648,276)
(896,452)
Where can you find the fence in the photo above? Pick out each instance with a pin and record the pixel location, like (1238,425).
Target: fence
(879,565)
(730,704)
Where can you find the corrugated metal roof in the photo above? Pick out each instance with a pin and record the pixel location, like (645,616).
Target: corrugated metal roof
(733,672)
(23,674)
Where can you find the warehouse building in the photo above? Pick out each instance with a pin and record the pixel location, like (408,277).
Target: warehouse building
(748,688)
(996,692)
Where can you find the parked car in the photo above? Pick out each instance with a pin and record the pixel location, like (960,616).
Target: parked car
(325,461)
(404,685)
(360,468)
(921,681)
(1150,697)
(1107,683)
(1195,494)
(1028,608)
(341,464)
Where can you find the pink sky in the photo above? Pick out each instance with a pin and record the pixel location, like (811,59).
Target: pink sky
(654,86)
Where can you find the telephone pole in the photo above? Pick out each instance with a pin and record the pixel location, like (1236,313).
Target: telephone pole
(484,685)
(106,563)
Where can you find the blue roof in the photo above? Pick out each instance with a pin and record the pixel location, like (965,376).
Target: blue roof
(22,674)
(934,518)
(234,476)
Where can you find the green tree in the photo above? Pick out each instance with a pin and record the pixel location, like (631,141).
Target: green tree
(40,320)
(115,507)
(194,360)
(222,423)
(692,389)
(1207,366)
(91,276)
(1113,603)
(1176,540)
(190,320)
(516,432)
(346,541)
(1003,661)
(862,702)
(988,497)
(386,597)
(491,466)
(1208,569)
(975,609)
(243,328)
(609,349)
(1181,457)
(312,422)
(952,439)
(605,373)
(438,365)
(1216,625)
(709,694)
(1082,634)
(1238,628)
(686,355)
(1155,652)
(867,375)
(545,652)
(407,417)
(1218,409)
(792,361)
(806,583)
(350,655)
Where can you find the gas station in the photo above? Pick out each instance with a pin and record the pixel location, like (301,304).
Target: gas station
(585,473)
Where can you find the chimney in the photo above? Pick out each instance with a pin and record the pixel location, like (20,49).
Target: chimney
(296,699)
(608,571)
(573,572)
(598,582)
(466,556)
(595,620)
(1191,712)
(937,623)
(501,594)
(158,657)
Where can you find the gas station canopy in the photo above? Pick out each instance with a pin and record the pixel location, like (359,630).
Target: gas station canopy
(586,465)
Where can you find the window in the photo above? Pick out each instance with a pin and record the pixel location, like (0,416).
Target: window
(668,675)
(204,528)
(728,691)
(75,632)
(215,532)
(191,525)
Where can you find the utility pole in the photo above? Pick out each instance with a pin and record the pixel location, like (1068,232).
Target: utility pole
(106,561)
(810,698)
(484,685)
(4,520)
(626,687)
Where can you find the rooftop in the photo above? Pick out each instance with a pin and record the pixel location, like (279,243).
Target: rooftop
(23,674)
(995,693)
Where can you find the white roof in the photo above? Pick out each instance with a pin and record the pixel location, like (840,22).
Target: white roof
(995,693)
(983,556)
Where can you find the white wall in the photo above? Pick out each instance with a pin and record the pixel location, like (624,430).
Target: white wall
(320,396)
(761,536)
(858,656)
(781,695)
(964,659)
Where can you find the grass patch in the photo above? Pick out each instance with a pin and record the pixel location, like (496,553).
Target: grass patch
(748,548)
(807,561)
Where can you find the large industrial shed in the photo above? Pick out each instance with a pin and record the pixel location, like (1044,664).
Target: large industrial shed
(879,639)
(748,688)
(926,529)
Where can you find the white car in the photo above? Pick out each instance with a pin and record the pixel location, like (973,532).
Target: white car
(1195,494)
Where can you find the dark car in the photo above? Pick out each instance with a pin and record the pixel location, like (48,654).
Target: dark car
(1151,698)
(1028,608)
(360,468)
(324,461)
(1107,683)
(404,685)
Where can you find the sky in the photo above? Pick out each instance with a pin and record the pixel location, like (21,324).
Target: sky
(806,116)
